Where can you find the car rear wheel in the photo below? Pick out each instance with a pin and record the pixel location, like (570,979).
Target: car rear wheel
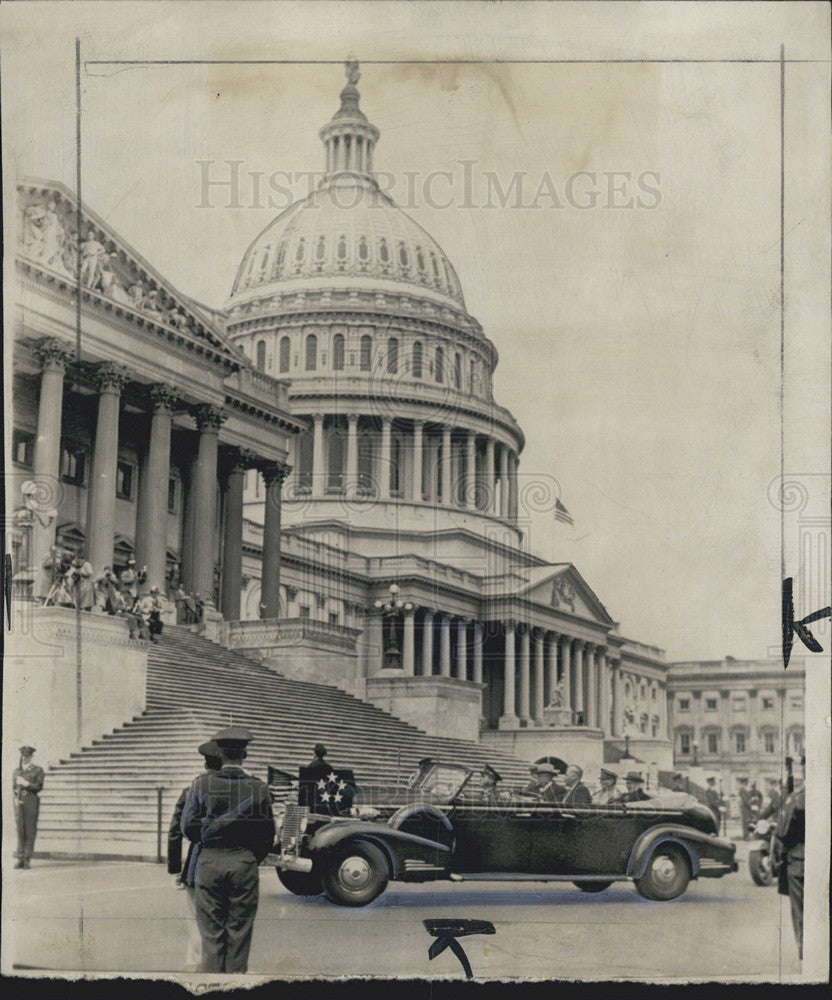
(593,886)
(667,874)
(301,883)
(759,864)
(356,873)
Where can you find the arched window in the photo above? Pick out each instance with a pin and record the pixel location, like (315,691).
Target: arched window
(285,348)
(311,352)
(366,352)
(338,352)
(416,366)
(261,355)
(457,372)
(392,355)
(439,364)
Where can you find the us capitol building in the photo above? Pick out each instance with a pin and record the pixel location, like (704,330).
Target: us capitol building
(322,462)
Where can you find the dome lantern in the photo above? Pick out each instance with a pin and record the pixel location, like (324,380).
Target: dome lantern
(349,139)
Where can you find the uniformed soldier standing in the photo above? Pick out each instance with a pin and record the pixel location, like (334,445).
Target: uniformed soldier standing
(228,816)
(184,877)
(791,833)
(27,781)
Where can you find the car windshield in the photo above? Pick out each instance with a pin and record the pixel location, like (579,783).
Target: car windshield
(441,781)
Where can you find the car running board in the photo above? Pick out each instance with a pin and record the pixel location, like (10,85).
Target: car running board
(521,877)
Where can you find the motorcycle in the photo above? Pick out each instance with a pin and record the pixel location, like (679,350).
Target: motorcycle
(762,859)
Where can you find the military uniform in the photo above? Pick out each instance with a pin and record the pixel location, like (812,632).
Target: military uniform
(26,806)
(791,832)
(228,816)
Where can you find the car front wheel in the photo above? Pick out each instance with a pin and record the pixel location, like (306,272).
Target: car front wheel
(301,883)
(356,873)
(667,874)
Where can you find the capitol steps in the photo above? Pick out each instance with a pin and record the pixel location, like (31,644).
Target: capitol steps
(103,800)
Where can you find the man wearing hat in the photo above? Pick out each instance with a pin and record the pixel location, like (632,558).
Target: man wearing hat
(635,789)
(609,787)
(228,817)
(27,781)
(210,751)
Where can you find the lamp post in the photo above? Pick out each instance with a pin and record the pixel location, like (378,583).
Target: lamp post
(389,610)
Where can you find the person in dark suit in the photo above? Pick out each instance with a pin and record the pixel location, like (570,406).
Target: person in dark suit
(210,751)
(228,816)
(27,782)
(635,789)
(577,794)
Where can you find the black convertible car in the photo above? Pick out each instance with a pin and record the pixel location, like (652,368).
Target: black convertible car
(452,823)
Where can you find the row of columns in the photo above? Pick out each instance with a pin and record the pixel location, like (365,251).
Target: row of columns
(479,490)
(198,555)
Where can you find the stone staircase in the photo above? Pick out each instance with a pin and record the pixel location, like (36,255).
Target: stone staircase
(103,801)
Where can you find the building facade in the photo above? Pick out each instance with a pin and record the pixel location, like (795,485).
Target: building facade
(322,461)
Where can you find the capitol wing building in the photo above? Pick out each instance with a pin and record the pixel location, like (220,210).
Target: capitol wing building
(320,464)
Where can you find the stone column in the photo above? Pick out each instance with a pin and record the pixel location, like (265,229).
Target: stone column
(504,487)
(351,484)
(447,486)
(566,655)
(471,470)
(591,707)
(477,653)
(461,650)
(318,456)
(508,720)
(274,475)
(232,545)
(408,643)
(46,461)
(523,707)
(101,498)
(384,460)
(209,419)
(418,426)
(537,699)
(152,512)
(445,647)
(488,479)
(579,678)
(553,666)
(427,643)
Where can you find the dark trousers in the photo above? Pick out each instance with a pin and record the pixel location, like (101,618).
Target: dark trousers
(225,897)
(795,881)
(26,817)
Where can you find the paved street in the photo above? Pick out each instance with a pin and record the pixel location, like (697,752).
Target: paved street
(113,916)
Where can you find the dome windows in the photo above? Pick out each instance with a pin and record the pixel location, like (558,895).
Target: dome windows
(283,354)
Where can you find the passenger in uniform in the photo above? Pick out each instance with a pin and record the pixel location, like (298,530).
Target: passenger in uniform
(791,836)
(635,789)
(27,781)
(609,787)
(228,816)
(193,957)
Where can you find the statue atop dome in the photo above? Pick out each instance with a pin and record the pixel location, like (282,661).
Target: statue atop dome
(351,67)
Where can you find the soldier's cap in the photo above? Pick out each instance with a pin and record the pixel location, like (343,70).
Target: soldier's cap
(544,768)
(608,774)
(634,776)
(209,749)
(27,751)
(233,736)
(491,772)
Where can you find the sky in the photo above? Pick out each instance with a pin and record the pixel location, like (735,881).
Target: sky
(638,329)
